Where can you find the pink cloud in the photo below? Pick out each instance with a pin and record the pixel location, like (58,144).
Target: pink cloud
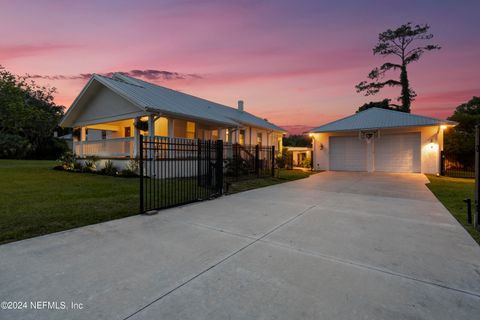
(25,50)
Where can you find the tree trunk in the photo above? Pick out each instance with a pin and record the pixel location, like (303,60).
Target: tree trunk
(406,95)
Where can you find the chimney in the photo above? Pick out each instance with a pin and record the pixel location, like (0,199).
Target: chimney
(240,105)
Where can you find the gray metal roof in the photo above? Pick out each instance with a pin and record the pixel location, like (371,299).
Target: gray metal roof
(153,97)
(376,118)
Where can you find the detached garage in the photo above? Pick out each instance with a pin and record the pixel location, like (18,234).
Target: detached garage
(380,140)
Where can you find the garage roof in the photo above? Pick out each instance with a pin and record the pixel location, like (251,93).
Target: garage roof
(377,118)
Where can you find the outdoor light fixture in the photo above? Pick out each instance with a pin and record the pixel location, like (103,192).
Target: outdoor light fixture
(443,127)
(321,146)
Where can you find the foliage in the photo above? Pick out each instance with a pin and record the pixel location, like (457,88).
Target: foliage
(297,141)
(90,164)
(109,168)
(398,43)
(459,141)
(133,165)
(28,117)
(305,163)
(141,124)
(384,104)
(67,161)
(13,146)
(283,159)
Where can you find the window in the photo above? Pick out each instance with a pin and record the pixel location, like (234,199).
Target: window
(127,132)
(214,134)
(227,135)
(104,134)
(241,138)
(259,138)
(190,130)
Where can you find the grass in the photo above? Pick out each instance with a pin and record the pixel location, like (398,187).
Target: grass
(451,192)
(37,200)
(281,176)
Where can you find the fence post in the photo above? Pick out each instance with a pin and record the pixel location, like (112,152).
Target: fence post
(219,167)
(141,173)
(442,163)
(199,162)
(476,216)
(257,160)
(273,161)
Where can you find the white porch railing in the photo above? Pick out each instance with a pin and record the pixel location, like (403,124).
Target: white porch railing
(120,147)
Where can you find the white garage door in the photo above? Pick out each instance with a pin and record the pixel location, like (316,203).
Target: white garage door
(348,153)
(397,153)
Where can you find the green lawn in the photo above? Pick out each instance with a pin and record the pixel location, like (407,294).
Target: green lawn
(36,200)
(451,192)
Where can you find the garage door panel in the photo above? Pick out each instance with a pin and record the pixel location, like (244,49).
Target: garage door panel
(397,153)
(347,154)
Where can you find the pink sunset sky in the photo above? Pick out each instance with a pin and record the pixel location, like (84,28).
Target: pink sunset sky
(293,62)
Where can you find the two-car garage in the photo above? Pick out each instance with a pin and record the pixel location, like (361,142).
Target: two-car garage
(389,153)
(380,140)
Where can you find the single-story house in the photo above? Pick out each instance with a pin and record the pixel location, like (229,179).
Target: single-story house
(380,140)
(106,113)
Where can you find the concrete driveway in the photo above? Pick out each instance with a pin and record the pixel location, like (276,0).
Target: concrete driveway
(333,246)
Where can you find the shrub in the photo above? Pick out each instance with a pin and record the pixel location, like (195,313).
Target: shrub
(305,163)
(13,146)
(133,166)
(109,168)
(91,164)
(67,161)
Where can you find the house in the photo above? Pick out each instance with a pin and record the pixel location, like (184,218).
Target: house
(380,140)
(110,114)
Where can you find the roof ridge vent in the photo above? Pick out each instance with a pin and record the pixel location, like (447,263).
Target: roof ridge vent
(118,76)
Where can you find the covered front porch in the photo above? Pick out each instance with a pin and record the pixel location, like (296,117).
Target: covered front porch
(120,139)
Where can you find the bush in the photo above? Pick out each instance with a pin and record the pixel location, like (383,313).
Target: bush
(13,146)
(109,168)
(305,163)
(133,166)
(67,161)
(91,164)
(51,149)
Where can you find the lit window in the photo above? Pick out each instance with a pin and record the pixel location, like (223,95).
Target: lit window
(214,134)
(227,134)
(241,138)
(190,130)
(259,138)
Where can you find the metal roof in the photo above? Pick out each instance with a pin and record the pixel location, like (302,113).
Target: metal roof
(376,118)
(153,97)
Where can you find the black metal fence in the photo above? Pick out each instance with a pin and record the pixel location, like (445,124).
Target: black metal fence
(452,166)
(175,171)
(247,161)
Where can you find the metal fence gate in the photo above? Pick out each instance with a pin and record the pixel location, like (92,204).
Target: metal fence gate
(176,171)
(457,167)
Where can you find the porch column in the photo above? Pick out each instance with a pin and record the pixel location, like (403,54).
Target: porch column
(171,128)
(151,125)
(136,140)
(83,136)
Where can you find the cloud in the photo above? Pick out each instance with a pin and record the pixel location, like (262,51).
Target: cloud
(149,74)
(18,51)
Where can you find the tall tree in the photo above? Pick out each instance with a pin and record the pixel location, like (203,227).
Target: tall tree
(398,43)
(384,104)
(460,140)
(28,118)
